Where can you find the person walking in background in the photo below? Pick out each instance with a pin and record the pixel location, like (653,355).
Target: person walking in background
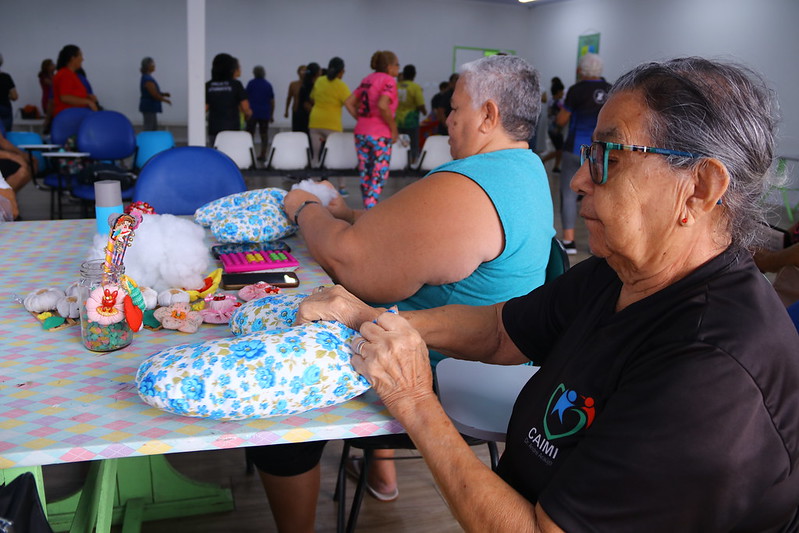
(442,104)
(46,83)
(328,95)
(225,96)
(68,89)
(583,101)
(411,103)
(262,102)
(373,105)
(304,102)
(292,98)
(151,95)
(8,94)
(555,131)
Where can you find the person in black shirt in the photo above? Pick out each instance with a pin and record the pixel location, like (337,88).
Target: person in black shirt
(225,96)
(666,396)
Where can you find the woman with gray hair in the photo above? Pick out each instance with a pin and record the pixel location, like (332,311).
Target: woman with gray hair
(151,95)
(476,230)
(666,398)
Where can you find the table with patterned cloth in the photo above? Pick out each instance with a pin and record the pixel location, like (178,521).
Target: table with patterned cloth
(60,402)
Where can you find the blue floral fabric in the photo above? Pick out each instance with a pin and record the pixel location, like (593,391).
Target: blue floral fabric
(275,371)
(250,216)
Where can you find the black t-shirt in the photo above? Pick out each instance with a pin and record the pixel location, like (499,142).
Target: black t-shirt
(6,84)
(677,413)
(223,98)
(584,100)
(443,100)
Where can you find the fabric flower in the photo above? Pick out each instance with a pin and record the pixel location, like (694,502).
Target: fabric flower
(172,296)
(43,300)
(219,308)
(105,305)
(179,316)
(257,290)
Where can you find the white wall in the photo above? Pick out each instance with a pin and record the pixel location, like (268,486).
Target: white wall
(760,34)
(116,34)
(280,35)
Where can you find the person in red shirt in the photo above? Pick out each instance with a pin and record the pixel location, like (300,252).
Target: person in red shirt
(68,91)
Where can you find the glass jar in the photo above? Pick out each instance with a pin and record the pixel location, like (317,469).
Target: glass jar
(103,327)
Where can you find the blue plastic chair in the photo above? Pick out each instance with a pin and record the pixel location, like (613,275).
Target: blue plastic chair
(64,125)
(149,143)
(180,180)
(20,138)
(108,138)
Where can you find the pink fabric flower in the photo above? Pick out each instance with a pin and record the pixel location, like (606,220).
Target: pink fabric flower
(180,317)
(105,305)
(219,308)
(257,290)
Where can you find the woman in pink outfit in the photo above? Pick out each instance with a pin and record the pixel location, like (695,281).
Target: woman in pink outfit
(373,105)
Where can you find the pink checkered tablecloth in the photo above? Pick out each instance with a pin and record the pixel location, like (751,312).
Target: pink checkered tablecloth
(61,403)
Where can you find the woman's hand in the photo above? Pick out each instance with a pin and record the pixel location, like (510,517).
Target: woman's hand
(392,356)
(335,303)
(294,199)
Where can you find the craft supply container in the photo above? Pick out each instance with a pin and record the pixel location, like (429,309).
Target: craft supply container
(103,327)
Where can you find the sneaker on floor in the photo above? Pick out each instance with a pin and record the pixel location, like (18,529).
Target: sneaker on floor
(570,247)
(343,191)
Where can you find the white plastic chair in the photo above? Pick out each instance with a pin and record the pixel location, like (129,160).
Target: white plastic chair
(479,398)
(399,157)
(290,150)
(339,152)
(238,146)
(435,152)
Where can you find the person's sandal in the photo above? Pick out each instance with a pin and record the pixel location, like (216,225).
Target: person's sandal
(353,469)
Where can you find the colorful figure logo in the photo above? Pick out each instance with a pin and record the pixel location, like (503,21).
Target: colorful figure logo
(571,413)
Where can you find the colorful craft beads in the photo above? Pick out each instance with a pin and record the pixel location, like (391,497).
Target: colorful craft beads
(103,326)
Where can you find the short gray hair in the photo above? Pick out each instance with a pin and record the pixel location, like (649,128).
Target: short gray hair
(590,65)
(258,71)
(512,83)
(719,110)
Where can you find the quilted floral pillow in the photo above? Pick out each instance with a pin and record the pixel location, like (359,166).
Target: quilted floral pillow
(269,368)
(250,216)
(254,376)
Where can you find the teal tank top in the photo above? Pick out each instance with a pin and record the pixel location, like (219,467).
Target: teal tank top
(517,184)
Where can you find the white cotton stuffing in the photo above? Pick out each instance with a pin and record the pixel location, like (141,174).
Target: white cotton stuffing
(167,252)
(324,192)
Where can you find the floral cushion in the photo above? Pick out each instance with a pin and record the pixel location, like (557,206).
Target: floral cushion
(251,216)
(272,313)
(275,371)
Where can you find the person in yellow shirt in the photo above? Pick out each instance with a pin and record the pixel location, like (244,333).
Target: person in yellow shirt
(328,96)
(411,103)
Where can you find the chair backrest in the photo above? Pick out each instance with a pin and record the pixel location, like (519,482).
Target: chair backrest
(290,151)
(180,180)
(107,135)
(339,152)
(558,260)
(66,124)
(399,157)
(435,152)
(149,143)
(19,138)
(238,146)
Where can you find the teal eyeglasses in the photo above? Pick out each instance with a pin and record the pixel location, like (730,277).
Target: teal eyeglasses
(597,152)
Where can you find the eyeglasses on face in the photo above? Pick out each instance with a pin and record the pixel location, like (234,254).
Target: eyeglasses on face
(597,155)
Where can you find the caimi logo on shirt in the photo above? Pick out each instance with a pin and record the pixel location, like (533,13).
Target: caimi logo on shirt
(571,413)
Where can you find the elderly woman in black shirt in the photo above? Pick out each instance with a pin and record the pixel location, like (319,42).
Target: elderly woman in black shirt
(666,398)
